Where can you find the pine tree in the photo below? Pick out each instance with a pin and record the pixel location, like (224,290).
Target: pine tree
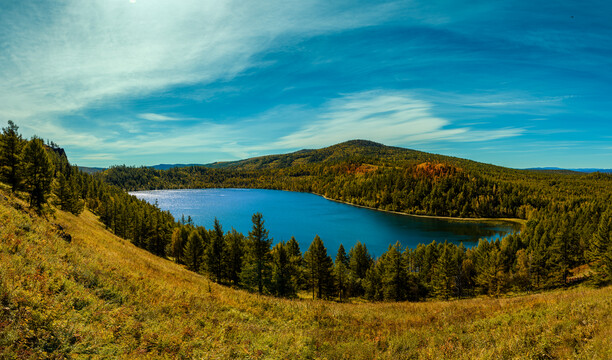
(61,191)
(445,272)
(194,251)
(359,263)
(75,204)
(68,193)
(561,258)
(319,266)
(468,271)
(522,273)
(281,274)
(490,269)
(373,282)
(38,172)
(296,260)
(393,273)
(256,270)
(459,255)
(235,254)
(180,235)
(215,252)
(600,250)
(11,145)
(341,272)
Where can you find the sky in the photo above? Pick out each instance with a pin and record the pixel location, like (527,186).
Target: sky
(142,82)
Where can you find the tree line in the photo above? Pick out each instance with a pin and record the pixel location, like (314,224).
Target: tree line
(562,233)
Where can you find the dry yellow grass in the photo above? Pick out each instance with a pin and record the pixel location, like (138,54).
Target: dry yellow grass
(98,296)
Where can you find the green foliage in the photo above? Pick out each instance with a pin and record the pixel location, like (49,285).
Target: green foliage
(393,274)
(11,145)
(360,261)
(38,172)
(445,272)
(68,192)
(282,284)
(491,278)
(194,251)
(256,270)
(600,250)
(319,267)
(341,273)
(235,254)
(296,259)
(180,235)
(216,252)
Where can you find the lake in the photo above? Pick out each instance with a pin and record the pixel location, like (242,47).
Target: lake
(304,215)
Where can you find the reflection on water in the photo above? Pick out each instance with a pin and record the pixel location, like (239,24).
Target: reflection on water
(305,215)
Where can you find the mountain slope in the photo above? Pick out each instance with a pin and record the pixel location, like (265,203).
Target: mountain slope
(354,150)
(92,294)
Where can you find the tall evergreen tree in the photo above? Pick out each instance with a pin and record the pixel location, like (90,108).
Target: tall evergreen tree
(281,273)
(194,251)
(445,272)
(215,252)
(600,250)
(67,191)
(319,266)
(38,172)
(11,144)
(490,269)
(256,270)
(561,258)
(373,282)
(522,270)
(393,273)
(235,254)
(341,266)
(297,264)
(179,238)
(359,263)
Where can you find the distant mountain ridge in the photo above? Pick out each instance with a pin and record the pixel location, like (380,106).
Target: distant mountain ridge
(579,170)
(170,166)
(358,150)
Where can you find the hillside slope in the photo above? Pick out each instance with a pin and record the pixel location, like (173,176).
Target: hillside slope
(353,150)
(95,295)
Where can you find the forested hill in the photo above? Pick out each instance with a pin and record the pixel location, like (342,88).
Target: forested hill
(363,151)
(388,178)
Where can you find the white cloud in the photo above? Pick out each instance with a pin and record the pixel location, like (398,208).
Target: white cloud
(393,118)
(158,117)
(390,117)
(73,54)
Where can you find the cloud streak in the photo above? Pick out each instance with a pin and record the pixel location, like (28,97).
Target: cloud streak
(389,117)
(159,117)
(72,55)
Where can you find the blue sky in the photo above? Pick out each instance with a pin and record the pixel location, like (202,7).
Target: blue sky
(142,82)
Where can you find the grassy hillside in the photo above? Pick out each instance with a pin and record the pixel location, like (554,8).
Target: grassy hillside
(92,294)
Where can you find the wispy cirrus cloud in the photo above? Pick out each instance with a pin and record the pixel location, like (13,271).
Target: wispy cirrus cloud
(387,116)
(159,117)
(390,117)
(60,57)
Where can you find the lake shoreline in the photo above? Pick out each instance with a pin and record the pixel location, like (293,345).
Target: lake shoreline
(521,222)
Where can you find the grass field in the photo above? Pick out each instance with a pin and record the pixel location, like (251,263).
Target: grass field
(97,296)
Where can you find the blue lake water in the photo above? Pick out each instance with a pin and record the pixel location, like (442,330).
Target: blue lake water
(305,215)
